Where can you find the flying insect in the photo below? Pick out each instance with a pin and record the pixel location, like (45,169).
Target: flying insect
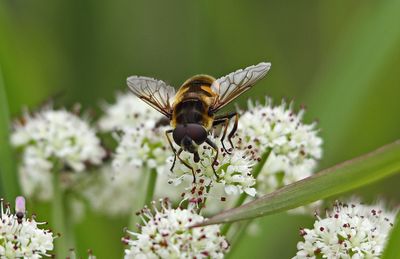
(192,110)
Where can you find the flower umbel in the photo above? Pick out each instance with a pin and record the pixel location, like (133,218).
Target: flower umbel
(127,112)
(139,131)
(20,236)
(233,170)
(166,234)
(49,137)
(350,230)
(295,146)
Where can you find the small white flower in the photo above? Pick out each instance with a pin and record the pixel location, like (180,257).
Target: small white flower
(128,112)
(140,137)
(49,136)
(142,147)
(165,233)
(20,236)
(351,230)
(110,191)
(295,146)
(233,170)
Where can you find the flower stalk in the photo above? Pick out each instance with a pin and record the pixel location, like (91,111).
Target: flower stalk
(8,173)
(151,184)
(59,211)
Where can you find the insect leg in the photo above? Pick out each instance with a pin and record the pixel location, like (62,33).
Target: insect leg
(212,144)
(225,119)
(224,134)
(233,131)
(186,164)
(172,147)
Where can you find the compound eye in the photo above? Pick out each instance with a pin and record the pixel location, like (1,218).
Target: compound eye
(178,134)
(197,133)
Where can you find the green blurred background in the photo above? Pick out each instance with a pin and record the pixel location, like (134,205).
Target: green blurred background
(339,58)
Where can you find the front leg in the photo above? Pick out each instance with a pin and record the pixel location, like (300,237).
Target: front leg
(214,146)
(172,147)
(186,164)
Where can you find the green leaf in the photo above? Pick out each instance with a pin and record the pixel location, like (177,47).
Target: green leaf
(392,249)
(341,178)
(9,183)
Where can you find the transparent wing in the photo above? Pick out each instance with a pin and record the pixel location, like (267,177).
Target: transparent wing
(231,86)
(154,92)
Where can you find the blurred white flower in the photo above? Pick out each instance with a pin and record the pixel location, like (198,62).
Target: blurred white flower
(233,170)
(128,112)
(295,147)
(141,147)
(165,234)
(49,137)
(111,191)
(139,132)
(350,230)
(20,236)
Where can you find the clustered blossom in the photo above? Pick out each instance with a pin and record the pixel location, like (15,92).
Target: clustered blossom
(111,191)
(127,112)
(20,236)
(49,137)
(233,170)
(295,146)
(165,233)
(350,230)
(140,133)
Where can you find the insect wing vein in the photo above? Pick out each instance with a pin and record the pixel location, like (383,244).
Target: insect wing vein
(154,92)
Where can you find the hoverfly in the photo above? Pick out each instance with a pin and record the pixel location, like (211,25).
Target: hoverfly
(192,109)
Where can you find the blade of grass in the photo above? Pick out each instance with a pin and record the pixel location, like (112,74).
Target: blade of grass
(341,178)
(8,173)
(392,247)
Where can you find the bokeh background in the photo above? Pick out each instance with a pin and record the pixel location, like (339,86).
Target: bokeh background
(339,58)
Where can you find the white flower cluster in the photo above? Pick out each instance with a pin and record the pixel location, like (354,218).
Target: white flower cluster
(52,136)
(351,230)
(111,191)
(166,234)
(233,170)
(141,141)
(127,112)
(20,236)
(295,147)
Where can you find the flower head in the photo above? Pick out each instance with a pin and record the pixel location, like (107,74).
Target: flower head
(53,137)
(128,112)
(233,170)
(139,131)
(295,146)
(20,236)
(350,230)
(141,147)
(166,234)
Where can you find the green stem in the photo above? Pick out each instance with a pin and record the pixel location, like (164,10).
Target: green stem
(61,216)
(8,172)
(237,236)
(256,171)
(150,177)
(151,185)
